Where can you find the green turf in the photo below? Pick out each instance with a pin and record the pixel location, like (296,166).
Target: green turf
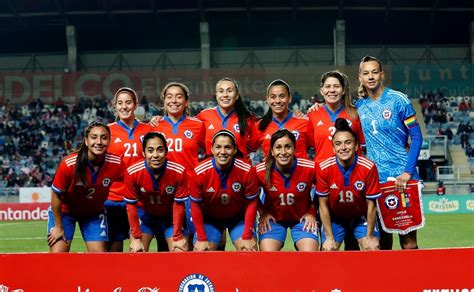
(447,230)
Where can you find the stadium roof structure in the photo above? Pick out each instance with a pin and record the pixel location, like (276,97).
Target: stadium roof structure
(39,25)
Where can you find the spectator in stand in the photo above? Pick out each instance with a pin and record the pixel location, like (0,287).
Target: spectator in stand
(463,106)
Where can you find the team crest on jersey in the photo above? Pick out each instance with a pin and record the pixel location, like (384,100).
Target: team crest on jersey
(188,134)
(106,182)
(359,185)
(392,202)
(387,114)
(296,133)
(236,187)
(236,128)
(169,190)
(301,186)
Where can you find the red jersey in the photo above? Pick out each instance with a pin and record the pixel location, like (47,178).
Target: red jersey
(322,122)
(223,195)
(183,138)
(215,121)
(299,126)
(126,143)
(79,199)
(156,196)
(348,189)
(288,198)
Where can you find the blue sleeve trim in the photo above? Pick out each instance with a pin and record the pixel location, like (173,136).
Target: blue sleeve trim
(181,199)
(322,194)
(373,197)
(415,147)
(128,201)
(251,197)
(57,191)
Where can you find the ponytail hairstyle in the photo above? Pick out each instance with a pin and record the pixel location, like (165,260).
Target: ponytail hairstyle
(342,125)
(185,90)
(346,98)
(243,114)
(151,135)
(267,117)
(128,90)
(270,160)
(82,153)
(231,135)
(361,90)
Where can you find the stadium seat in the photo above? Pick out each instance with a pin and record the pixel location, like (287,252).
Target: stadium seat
(459,99)
(467,98)
(452,99)
(455,109)
(210,103)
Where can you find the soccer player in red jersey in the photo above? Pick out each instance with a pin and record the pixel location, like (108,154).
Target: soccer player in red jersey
(223,193)
(279,116)
(231,114)
(336,93)
(347,186)
(127,134)
(155,192)
(184,134)
(286,200)
(79,190)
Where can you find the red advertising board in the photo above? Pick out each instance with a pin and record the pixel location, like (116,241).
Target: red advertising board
(23,211)
(417,270)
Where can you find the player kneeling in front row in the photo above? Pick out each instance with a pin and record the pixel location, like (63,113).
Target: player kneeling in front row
(286,199)
(347,186)
(223,195)
(155,192)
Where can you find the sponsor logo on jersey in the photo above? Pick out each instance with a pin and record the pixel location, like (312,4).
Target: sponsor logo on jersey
(211,127)
(236,187)
(386,114)
(142,189)
(301,186)
(273,189)
(196,282)
(103,233)
(268,136)
(106,182)
(392,202)
(320,123)
(333,186)
(296,133)
(188,134)
(359,185)
(236,128)
(117,140)
(210,190)
(169,190)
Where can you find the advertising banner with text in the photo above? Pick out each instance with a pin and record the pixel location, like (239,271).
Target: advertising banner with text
(417,270)
(23,211)
(22,88)
(448,204)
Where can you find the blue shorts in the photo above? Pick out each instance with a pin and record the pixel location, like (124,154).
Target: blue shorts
(278,232)
(215,228)
(93,228)
(118,220)
(341,226)
(157,225)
